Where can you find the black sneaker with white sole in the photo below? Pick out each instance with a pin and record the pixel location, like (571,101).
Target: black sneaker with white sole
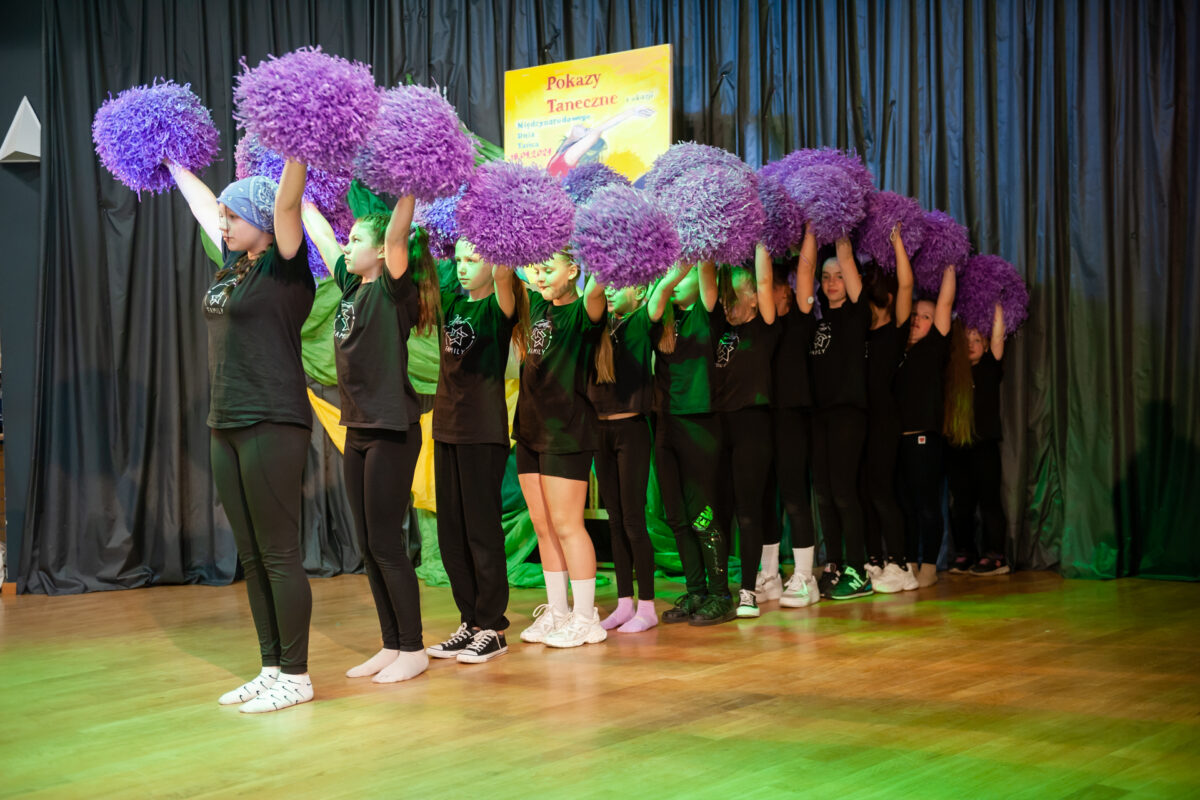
(486,645)
(454,645)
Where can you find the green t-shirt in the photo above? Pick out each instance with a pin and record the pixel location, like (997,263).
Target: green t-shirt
(469,406)
(686,377)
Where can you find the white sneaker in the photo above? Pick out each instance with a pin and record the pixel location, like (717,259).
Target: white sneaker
(800,592)
(578,630)
(747,605)
(891,579)
(874,572)
(768,587)
(910,584)
(545,621)
(289,690)
(248,690)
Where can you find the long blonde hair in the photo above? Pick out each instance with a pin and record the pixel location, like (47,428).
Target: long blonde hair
(958,422)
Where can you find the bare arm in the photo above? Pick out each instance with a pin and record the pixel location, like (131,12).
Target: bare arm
(998,333)
(579,147)
(395,251)
(850,276)
(708,285)
(661,295)
(506,287)
(321,233)
(289,229)
(200,200)
(806,272)
(945,301)
(594,300)
(764,277)
(904,280)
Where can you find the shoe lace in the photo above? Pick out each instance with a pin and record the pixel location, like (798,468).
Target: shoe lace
(480,641)
(746,598)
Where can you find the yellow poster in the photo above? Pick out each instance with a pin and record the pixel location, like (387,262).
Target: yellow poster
(615,109)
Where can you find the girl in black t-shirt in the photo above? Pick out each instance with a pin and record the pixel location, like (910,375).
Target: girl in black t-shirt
(555,430)
(259,412)
(974,467)
(687,440)
(919,396)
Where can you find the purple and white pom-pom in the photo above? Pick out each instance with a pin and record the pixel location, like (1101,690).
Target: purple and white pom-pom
(784,220)
(886,210)
(583,181)
(309,106)
(683,157)
(622,238)
(138,129)
(515,215)
(988,280)
(830,200)
(946,243)
(325,189)
(716,211)
(438,220)
(417,146)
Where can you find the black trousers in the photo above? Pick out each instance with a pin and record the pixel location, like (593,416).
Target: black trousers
(744,463)
(468,481)
(790,471)
(685,457)
(920,473)
(974,479)
(258,472)
(884,520)
(378,466)
(838,435)
(623,472)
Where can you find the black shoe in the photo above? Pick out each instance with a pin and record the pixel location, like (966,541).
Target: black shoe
(685,606)
(454,645)
(961,565)
(716,609)
(991,565)
(486,645)
(829,579)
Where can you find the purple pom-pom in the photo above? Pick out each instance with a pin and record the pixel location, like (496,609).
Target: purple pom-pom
(946,243)
(716,211)
(784,224)
(848,161)
(309,106)
(515,215)
(988,280)
(886,210)
(138,129)
(438,220)
(624,239)
(416,147)
(831,202)
(581,182)
(327,190)
(683,157)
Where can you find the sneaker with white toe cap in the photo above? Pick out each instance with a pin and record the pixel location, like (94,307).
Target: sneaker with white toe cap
(545,620)
(747,605)
(577,631)
(799,592)
(768,587)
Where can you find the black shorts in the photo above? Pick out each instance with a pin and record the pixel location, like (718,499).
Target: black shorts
(572,466)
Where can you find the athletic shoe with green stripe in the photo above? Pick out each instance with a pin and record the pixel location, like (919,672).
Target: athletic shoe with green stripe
(852,584)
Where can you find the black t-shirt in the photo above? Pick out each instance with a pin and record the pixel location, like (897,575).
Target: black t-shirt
(838,356)
(254,365)
(744,356)
(793,387)
(919,383)
(553,412)
(685,378)
(986,376)
(370,335)
(633,337)
(469,406)
(885,350)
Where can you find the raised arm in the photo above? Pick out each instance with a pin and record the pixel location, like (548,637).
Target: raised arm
(594,300)
(321,233)
(764,278)
(708,285)
(661,294)
(850,276)
(289,229)
(200,200)
(506,287)
(945,301)
(806,272)
(998,333)
(904,279)
(395,252)
(578,148)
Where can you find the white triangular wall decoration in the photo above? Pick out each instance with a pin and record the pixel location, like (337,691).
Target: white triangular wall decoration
(23,142)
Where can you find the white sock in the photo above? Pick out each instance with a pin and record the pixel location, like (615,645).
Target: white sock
(289,690)
(251,688)
(770,559)
(804,560)
(556,591)
(373,664)
(584,595)
(405,666)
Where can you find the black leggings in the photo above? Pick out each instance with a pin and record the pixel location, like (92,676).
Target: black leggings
(685,458)
(974,478)
(790,470)
(258,471)
(467,482)
(378,466)
(623,472)
(744,463)
(885,523)
(838,435)
(920,471)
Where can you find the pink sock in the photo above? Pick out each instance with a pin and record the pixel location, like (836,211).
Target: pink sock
(622,614)
(645,618)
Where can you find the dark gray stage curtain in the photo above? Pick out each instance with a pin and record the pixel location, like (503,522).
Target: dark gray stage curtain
(1064,134)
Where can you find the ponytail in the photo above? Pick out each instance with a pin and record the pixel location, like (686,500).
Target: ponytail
(606,371)
(520,333)
(424,272)
(666,341)
(959,419)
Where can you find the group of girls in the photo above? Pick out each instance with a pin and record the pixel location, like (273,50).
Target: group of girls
(707,372)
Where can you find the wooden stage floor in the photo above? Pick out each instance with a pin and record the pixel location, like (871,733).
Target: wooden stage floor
(1020,687)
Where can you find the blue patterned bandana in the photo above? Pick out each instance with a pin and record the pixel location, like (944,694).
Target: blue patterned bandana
(252,199)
